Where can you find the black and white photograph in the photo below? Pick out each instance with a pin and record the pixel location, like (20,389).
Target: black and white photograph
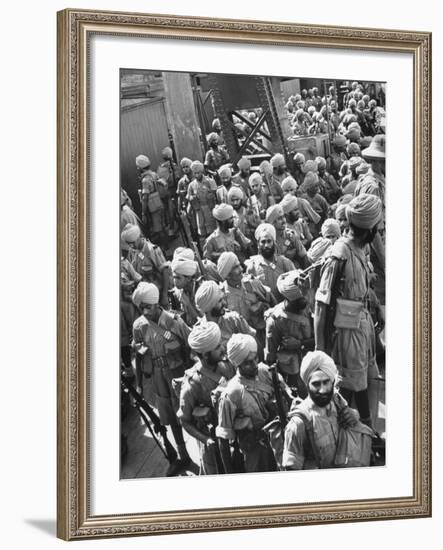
(252,273)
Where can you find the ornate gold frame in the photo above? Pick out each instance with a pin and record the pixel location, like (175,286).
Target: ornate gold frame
(74,29)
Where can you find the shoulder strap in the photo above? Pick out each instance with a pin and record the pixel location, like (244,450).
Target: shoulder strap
(300,413)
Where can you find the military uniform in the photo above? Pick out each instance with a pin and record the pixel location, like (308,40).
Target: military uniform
(245,406)
(149,263)
(329,188)
(243,183)
(166,357)
(275,186)
(297,451)
(152,206)
(268,271)
(214,158)
(202,198)
(353,349)
(196,406)
(289,245)
(251,299)
(218,242)
(281,324)
(190,314)
(231,323)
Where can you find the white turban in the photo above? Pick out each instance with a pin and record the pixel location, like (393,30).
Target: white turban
(235,193)
(225,170)
(239,348)
(273,212)
(130,233)
(310,166)
(223,212)
(204,337)
(289,184)
(287,285)
(265,229)
(182,252)
(226,262)
(185,162)
(330,228)
(207,296)
(197,164)
(255,176)
(278,160)
(289,203)
(364,211)
(181,266)
(317,361)
(145,293)
(244,163)
(142,161)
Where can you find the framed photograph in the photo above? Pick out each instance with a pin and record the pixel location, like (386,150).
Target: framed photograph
(244,302)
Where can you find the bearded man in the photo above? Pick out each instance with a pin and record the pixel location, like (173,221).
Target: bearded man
(210,299)
(311,435)
(343,324)
(267,265)
(196,413)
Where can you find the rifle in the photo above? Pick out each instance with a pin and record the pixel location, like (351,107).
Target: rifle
(184,223)
(149,417)
(278,396)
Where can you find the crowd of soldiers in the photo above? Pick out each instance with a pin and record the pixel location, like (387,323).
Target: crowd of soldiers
(260,334)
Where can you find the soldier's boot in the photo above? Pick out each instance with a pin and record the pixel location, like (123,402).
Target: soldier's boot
(181,463)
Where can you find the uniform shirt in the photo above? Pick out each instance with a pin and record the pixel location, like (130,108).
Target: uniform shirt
(202,193)
(282,324)
(218,242)
(215,158)
(148,262)
(245,397)
(289,245)
(373,184)
(182,191)
(187,304)
(297,452)
(231,323)
(156,337)
(250,299)
(243,183)
(198,384)
(268,271)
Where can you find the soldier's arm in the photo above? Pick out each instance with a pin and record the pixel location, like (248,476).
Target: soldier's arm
(184,414)
(273,339)
(293,450)
(323,298)
(225,429)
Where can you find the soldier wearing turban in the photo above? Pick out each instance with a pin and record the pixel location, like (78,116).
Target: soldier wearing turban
(201,199)
(210,299)
(288,330)
(279,173)
(152,207)
(245,294)
(324,410)
(242,177)
(350,340)
(147,259)
(328,186)
(182,295)
(260,199)
(245,407)
(161,342)
(209,374)
(183,183)
(267,265)
(309,192)
(216,155)
(287,242)
(337,156)
(227,236)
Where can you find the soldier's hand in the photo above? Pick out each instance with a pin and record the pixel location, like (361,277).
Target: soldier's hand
(210,442)
(291,343)
(348,417)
